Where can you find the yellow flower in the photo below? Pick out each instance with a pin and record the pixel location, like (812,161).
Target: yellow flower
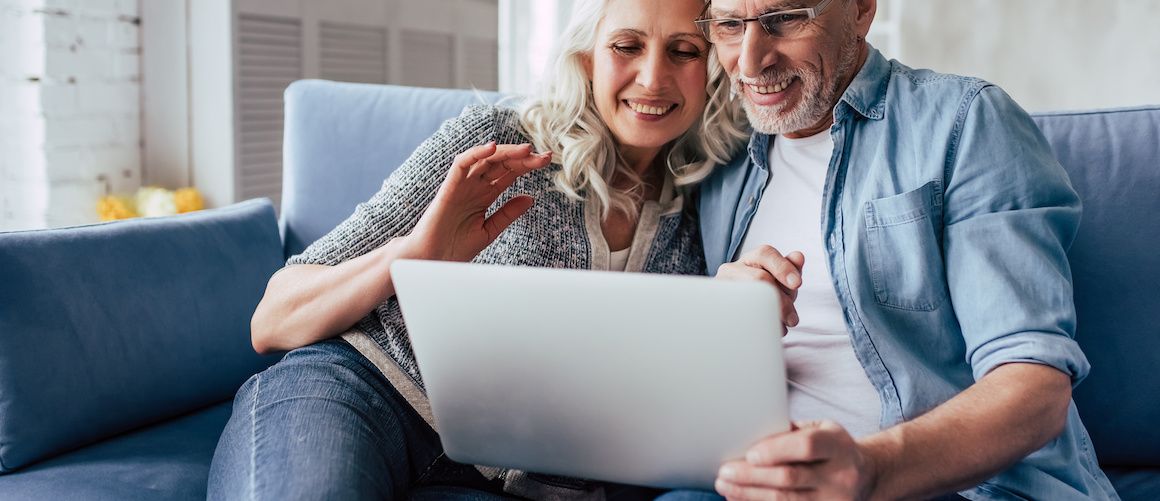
(111,208)
(188,200)
(153,202)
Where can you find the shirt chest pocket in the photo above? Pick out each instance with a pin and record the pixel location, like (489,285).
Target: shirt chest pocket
(902,236)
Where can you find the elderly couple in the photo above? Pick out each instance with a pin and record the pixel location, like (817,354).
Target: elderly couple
(915,223)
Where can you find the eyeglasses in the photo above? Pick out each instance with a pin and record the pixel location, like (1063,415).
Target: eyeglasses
(779,24)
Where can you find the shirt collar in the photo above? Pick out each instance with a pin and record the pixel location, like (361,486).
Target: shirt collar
(867,92)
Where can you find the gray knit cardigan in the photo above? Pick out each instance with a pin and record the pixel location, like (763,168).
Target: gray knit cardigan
(556,232)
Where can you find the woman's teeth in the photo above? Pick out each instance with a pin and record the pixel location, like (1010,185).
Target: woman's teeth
(772,89)
(646,109)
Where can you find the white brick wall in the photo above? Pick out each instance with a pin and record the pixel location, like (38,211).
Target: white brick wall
(70,94)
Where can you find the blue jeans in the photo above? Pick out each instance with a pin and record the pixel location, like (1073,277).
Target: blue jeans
(711,496)
(323,423)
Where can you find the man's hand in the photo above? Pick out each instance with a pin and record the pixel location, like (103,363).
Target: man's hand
(766,264)
(817,460)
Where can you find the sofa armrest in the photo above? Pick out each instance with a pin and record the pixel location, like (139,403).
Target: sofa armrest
(109,327)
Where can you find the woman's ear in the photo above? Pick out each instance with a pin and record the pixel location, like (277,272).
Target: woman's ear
(586,61)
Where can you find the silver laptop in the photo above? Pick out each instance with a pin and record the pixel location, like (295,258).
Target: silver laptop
(624,377)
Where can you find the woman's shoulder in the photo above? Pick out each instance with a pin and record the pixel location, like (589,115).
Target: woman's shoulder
(490,122)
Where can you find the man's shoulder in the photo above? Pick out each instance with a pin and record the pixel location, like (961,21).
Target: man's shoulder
(931,102)
(925,86)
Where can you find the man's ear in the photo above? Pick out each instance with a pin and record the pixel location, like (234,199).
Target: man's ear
(866,11)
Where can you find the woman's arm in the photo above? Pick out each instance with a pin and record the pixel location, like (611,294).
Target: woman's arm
(306,303)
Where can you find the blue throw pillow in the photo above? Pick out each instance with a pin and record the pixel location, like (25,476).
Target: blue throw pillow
(110,327)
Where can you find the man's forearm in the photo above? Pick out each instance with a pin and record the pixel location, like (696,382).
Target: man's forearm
(1009,413)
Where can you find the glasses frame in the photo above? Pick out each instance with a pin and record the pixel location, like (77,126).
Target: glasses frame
(811,12)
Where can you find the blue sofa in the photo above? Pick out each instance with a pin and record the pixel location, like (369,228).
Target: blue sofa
(121,344)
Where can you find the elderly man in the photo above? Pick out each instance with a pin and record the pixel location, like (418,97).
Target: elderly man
(917,224)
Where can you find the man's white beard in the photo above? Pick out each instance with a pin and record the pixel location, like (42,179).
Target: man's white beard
(775,119)
(816,102)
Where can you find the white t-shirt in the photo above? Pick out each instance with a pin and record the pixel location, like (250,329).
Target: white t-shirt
(826,381)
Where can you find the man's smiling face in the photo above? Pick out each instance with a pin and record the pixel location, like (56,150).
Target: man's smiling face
(790,84)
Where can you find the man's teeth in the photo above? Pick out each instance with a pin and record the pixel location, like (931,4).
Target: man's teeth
(772,89)
(646,109)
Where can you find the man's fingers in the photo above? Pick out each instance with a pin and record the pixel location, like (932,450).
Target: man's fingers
(741,272)
(798,259)
(507,214)
(791,476)
(789,311)
(787,273)
(736,492)
(811,442)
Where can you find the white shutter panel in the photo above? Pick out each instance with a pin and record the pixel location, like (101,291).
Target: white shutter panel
(269,59)
(428,59)
(352,53)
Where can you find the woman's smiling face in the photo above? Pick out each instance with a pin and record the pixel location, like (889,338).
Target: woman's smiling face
(648,72)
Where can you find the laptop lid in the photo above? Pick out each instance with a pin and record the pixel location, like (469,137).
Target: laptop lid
(632,378)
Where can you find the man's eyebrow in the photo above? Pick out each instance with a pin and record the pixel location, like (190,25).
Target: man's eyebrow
(715,13)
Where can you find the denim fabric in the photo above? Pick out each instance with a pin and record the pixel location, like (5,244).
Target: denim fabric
(325,424)
(946,221)
(690,496)
(712,496)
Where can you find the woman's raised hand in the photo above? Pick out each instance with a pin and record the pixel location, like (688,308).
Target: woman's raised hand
(455,227)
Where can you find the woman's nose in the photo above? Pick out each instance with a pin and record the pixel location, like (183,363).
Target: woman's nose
(654,71)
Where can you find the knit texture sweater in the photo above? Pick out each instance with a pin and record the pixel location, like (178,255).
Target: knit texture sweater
(556,232)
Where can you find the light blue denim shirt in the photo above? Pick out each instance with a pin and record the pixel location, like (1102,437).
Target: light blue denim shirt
(946,220)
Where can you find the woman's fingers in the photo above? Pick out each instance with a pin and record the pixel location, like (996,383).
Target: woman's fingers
(504,173)
(507,162)
(503,217)
(463,162)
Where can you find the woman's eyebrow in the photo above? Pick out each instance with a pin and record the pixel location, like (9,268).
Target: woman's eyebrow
(687,36)
(628,31)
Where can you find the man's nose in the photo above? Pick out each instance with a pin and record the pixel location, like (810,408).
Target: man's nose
(758,52)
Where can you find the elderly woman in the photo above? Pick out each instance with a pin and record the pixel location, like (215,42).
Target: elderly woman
(591,174)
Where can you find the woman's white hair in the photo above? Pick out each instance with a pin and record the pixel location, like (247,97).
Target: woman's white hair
(563,119)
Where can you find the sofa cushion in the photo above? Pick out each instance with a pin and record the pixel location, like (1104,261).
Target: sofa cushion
(344,139)
(110,327)
(168,461)
(1113,159)
(1135,484)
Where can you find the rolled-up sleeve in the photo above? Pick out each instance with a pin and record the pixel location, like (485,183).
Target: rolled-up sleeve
(1011,215)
